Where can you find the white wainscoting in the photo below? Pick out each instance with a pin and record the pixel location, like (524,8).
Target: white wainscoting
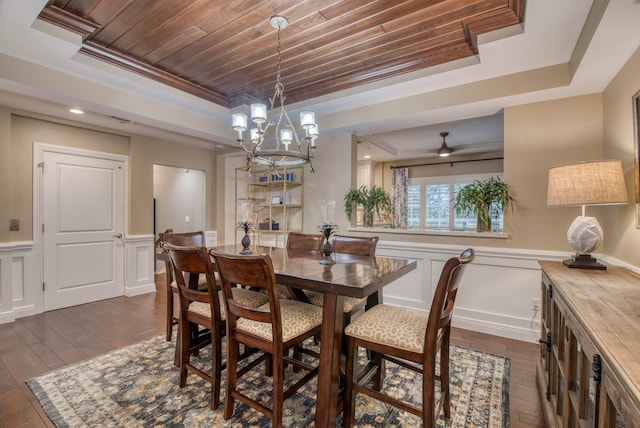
(22,273)
(6,289)
(140,262)
(21,295)
(18,292)
(494,298)
(495,291)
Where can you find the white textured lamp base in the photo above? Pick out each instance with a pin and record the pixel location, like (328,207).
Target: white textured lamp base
(584,236)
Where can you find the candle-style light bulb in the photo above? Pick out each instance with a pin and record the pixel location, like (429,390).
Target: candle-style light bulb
(258,113)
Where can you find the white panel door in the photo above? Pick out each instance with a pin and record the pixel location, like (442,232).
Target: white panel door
(83,229)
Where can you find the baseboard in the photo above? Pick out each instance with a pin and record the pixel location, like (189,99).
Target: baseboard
(7,317)
(139,290)
(510,332)
(24,311)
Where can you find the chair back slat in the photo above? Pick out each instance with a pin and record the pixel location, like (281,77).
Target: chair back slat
(243,311)
(184,239)
(355,245)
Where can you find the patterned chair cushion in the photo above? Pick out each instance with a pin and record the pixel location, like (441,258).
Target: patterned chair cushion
(283,292)
(202,284)
(242,295)
(391,325)
(349,302)
(297,318)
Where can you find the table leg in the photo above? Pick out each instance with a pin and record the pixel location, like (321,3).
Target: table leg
(378,378)
(329,371)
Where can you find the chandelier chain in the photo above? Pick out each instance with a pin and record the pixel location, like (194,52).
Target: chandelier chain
(279,85)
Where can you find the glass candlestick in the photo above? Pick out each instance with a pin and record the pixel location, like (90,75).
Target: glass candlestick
(327,209)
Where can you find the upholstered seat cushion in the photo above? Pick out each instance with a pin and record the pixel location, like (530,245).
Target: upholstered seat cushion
(202,284)
(241,295)
(297,318)
(349,302)
(391,325)
(283,292)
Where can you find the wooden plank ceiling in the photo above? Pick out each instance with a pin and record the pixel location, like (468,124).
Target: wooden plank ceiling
(225,51)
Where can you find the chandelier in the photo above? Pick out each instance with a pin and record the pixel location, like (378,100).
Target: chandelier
(279,153)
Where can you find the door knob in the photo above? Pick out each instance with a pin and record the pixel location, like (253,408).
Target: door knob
(117,235)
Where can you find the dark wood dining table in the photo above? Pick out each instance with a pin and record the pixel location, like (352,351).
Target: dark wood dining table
(353,276)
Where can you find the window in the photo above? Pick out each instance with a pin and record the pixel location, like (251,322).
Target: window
(430,203)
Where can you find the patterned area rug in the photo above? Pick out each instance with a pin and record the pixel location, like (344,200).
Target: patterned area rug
(137,386)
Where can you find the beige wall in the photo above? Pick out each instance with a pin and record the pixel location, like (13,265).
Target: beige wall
(537,137)
(6,179)
(144,153)
(333,178)
(20,130)
(622,238)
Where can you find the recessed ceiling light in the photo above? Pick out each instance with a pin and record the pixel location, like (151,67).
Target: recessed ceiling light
(367,157)
(76,111)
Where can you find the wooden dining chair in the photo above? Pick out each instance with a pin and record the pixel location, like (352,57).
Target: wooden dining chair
(411,339)
(203,309)
(304,241)
(355,246)
(273,329)
(191,239)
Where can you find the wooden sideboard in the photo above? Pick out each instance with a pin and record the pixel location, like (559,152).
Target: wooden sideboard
(589,368)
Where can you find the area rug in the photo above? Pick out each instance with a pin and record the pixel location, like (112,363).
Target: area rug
(137,386)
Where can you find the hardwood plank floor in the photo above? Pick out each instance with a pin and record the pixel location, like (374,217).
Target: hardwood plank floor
(34,345)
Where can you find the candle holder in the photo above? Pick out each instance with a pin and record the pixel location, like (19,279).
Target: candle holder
(246,241)
(327,228)
(246,225)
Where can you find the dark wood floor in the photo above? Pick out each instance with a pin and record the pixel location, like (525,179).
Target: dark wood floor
(37,344)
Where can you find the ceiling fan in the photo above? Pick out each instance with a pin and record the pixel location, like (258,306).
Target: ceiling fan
(444,150)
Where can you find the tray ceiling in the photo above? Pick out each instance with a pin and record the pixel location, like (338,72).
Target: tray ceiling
(225,51)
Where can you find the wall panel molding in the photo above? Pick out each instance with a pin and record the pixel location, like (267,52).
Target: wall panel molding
(495,292)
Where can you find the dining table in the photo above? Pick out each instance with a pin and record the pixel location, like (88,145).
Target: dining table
(338,276)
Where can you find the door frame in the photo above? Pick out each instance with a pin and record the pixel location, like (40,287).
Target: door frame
(39,150)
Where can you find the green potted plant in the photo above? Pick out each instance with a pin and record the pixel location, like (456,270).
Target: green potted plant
(479,197)
(374,201)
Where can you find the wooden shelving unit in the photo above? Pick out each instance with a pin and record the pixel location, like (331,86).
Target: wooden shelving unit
(277,199)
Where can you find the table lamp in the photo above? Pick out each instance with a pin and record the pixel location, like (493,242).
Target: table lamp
(586,183)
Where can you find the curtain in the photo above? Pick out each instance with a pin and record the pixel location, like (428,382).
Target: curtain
(400,185)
